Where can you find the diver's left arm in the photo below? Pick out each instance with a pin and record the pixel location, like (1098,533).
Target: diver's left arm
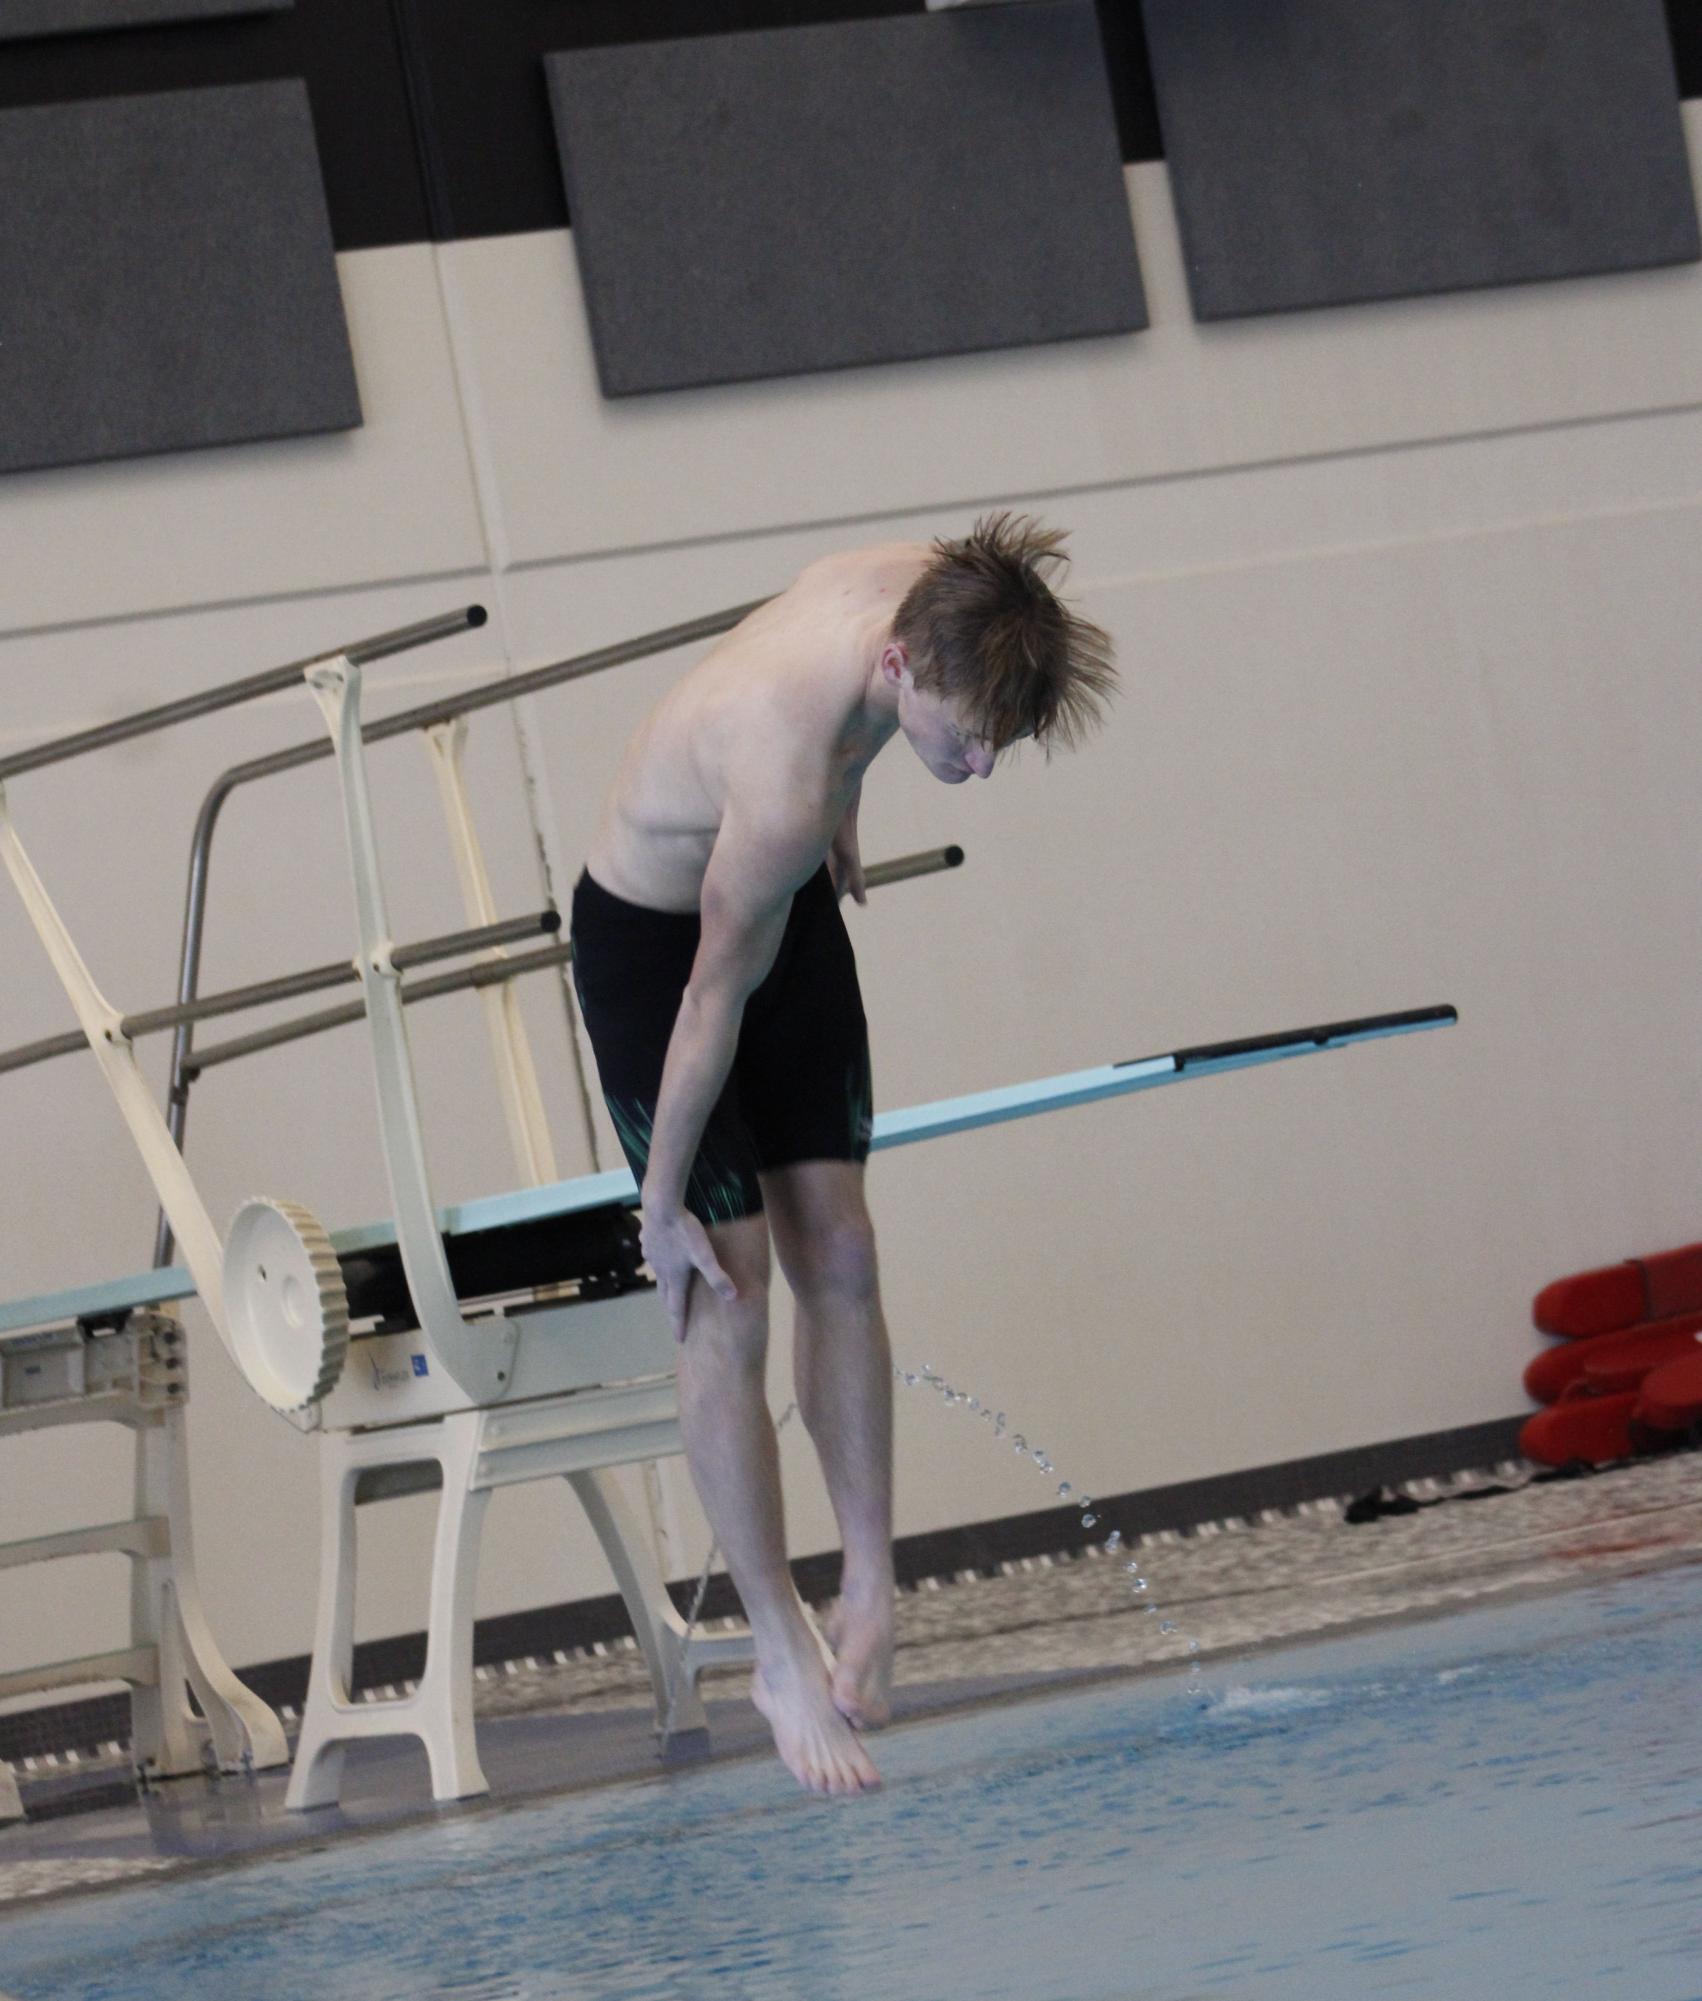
(844,862)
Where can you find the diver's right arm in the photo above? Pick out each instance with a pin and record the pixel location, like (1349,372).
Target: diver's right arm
(758,861)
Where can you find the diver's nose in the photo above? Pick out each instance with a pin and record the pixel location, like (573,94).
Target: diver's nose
(981,761)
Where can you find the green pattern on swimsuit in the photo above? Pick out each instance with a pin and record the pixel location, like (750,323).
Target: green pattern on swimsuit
(719,1189)
(714,1191)
(632,1123)
(860,1096)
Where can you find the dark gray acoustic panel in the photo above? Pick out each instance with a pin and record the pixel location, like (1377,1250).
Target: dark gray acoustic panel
(166,277)
(781,201)
(1328,151)
(20,19)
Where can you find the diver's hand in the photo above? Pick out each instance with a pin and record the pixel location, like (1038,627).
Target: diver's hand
(676,1247)
(845,866)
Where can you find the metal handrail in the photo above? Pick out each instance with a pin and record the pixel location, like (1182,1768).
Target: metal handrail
(504,688)
(902,867)
(288,986)
(229,693)
(490,972)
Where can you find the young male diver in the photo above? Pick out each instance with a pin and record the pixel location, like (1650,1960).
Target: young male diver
(720,995)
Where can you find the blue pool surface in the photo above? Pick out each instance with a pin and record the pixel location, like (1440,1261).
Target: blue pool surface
(1500,1802)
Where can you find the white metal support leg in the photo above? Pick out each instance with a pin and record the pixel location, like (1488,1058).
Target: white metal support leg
(166,1612)
(440,1711)
(318,1774)
(446,1686)
(660,1629)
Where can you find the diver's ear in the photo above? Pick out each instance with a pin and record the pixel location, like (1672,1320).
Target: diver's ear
(895,663)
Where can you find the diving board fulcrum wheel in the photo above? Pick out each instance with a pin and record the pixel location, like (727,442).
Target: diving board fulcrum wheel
(285,1302)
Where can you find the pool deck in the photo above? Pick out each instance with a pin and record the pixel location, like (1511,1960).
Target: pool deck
(1238,1587)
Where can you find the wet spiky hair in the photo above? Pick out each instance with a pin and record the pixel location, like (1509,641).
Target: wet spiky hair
(982,625)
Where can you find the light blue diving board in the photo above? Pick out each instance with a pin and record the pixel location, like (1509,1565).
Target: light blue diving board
(902,1128)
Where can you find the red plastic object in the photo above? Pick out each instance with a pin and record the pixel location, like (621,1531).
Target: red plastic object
(1551,1374)
(1594,1428)
(1615,1296)
(1610,1362)
(1601,1363)
(1671,1396)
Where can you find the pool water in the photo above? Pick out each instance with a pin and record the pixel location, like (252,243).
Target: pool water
(1506,1801)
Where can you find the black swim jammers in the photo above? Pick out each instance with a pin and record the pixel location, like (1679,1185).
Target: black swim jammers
(799,1088)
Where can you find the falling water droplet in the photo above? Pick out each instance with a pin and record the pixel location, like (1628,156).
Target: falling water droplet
(1084,1502)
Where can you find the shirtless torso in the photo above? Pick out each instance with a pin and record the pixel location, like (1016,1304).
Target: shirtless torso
(774,718)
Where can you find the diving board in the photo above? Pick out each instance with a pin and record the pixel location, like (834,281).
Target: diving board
(936,1119)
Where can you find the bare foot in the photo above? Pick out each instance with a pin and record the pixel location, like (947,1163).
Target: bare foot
(810,1734)
(860,1631)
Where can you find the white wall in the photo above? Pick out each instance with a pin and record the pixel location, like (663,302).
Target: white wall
(1406,599)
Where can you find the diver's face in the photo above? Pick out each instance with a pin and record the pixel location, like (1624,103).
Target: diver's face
(935,726)
(940,734)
